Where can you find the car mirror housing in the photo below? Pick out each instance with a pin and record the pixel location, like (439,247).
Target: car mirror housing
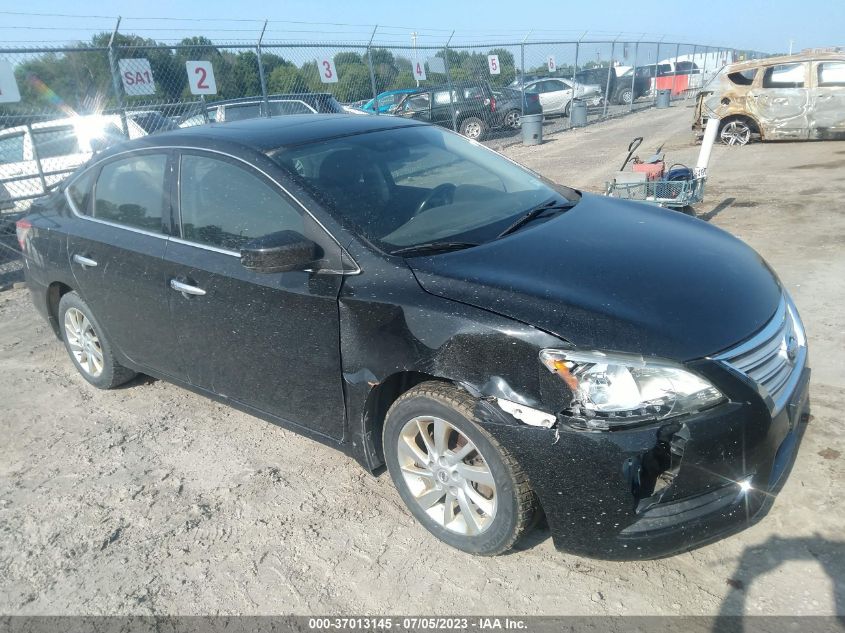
(280,252)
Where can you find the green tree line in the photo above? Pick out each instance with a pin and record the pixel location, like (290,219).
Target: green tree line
(81,80)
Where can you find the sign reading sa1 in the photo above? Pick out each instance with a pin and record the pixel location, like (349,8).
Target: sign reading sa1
(9,92)
(201,78)
(493,64)
(328,73)
(137,76)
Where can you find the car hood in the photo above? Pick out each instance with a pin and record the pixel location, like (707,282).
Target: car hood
(618,276)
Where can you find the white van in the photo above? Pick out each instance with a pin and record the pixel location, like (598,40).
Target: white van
(60,145)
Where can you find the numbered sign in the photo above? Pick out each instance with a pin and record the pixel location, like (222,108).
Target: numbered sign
(201,78)
(551,63)
(419,71)
(328,73)
(493,64)
(436,65)
(137,76)
(9,92)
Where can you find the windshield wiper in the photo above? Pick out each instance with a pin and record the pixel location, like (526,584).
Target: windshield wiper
(433,247)
(536,212)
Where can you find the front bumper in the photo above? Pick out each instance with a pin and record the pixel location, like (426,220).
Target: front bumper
(665,488)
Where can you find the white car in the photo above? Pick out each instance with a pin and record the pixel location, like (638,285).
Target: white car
(556,94)
(60,145)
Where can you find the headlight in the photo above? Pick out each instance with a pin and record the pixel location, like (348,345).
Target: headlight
(613,390)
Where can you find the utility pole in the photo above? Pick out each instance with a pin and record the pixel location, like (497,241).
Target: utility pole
(790,46)
(414,42)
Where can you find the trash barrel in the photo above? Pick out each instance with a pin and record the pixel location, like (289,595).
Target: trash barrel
(532,129)
(578,113)
(663,96)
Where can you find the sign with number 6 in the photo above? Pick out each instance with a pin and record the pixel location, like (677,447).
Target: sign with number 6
(328,73)
(201,78)
(9,92)
(493,63)
(552,65)
(419,71)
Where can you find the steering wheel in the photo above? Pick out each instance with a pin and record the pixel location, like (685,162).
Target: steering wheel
(442,194)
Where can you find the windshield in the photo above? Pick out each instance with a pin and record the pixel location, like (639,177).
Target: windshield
(416,185)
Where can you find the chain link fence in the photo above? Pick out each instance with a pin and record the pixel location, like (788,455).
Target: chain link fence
(60,105)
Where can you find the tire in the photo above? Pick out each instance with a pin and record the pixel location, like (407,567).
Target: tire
(511,119)
(473,128)
(624,96)
(479,518)
(568,109)
(87,345)
(736,131)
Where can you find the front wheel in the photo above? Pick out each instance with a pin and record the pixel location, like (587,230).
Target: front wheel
(454,477)
(626,96)
(474,128)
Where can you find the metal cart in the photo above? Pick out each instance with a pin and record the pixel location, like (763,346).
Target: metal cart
(666,193)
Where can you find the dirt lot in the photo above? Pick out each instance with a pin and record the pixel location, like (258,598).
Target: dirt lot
(151,499)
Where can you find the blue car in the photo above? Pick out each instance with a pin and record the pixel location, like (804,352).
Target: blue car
(386,100)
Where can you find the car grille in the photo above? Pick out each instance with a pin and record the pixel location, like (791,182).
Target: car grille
(774,357)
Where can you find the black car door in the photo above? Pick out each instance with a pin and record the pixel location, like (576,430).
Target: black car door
(267,340)
(116,246)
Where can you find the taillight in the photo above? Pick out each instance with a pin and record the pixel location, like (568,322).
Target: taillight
(492,104)
(22,228)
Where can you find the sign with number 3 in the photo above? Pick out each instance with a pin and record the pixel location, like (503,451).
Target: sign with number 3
(201,78)
(328,73)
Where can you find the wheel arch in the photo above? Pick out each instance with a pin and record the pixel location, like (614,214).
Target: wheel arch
(55,291)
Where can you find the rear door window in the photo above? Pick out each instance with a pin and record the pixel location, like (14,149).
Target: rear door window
(57,141)
(282,108)
(224,205)
(784,76)
(11,148)
(131,192)
(831,74)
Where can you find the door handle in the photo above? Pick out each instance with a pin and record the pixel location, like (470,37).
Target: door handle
(186,289)
(85,262)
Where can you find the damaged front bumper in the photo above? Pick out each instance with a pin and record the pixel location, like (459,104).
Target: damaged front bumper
(664,488)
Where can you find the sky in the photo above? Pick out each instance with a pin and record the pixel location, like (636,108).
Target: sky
(766,26)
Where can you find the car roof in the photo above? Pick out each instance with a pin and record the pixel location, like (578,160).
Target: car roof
(264,134)
(787,59)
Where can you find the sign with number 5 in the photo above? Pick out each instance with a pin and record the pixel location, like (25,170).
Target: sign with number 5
(201,78)
(493,63)
(328,73)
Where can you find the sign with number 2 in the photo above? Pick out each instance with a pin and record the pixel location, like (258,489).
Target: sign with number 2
(328,73)
(201,78)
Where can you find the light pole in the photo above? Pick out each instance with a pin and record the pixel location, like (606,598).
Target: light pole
(414,42)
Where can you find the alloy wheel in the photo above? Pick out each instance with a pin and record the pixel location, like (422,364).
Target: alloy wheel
(83,342)
(736,133)
(447,475)
(472,130)
(512,119)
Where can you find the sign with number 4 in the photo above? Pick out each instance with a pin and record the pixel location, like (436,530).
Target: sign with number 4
(328,73)
(552,65)
(419,71)
(201,78)
(493,63)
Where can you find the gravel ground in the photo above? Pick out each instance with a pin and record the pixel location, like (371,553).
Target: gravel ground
(151,499)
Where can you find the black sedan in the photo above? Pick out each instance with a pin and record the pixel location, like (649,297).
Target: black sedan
(505,345)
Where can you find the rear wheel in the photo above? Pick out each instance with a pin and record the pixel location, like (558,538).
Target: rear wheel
(87,346)
(735,132)
(454,477)
(474,128)
(511,119)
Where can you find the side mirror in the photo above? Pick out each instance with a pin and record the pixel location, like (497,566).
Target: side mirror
(280,252)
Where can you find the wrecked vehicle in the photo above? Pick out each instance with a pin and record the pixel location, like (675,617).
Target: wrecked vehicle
(792,97)
(506,346)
